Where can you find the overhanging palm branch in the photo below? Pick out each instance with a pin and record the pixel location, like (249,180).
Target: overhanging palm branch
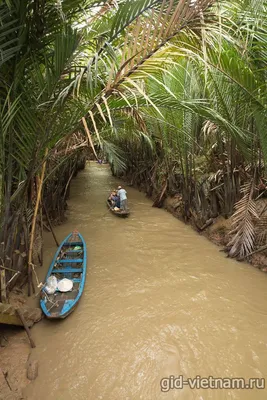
(150,25)
(115,156)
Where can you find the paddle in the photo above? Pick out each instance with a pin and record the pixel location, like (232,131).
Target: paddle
(105,214)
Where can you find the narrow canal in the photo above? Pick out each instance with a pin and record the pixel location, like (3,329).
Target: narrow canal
(159,300)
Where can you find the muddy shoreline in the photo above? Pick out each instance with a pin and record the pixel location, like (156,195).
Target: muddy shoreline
(17,364)
(15,353)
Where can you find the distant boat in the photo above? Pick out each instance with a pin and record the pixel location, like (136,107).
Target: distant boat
(68,270)
(119,213)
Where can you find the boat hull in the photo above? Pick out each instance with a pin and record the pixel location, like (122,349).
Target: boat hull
(120,214)
(69,262)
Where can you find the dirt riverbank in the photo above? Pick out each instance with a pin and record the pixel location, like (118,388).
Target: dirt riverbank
(14,357)
(16,361)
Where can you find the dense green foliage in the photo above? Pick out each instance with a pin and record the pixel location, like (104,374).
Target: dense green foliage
(204,136)
(173,92)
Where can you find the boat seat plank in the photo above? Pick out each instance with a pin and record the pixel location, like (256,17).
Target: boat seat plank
(70,260)
(73,251)
(73,244)
(66,270)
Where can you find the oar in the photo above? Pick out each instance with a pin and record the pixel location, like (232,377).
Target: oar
(105,214)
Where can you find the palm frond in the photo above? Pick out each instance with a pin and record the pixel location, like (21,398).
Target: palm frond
(115,156)
(242,243)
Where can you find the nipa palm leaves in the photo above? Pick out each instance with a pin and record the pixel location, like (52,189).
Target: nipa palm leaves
(242,243)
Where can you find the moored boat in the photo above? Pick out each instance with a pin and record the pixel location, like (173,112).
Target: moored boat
(119,213)
(65,278)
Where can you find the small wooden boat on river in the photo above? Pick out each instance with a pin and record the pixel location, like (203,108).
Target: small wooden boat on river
(119,213)
(65,278)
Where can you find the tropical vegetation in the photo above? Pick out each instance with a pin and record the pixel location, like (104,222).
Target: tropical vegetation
(173,92)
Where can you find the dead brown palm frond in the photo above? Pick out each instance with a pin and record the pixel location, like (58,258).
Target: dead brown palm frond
(243,224)
(132,112)
(89,137)
(108,5)
(261,237)
(71,149)
(209,129)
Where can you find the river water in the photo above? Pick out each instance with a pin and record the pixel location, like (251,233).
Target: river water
(159,301)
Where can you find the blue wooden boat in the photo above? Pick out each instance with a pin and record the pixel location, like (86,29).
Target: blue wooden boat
(69,262)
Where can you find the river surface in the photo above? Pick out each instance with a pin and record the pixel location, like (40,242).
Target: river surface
(159,301)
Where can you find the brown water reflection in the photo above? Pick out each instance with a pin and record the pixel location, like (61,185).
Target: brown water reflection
(159,301)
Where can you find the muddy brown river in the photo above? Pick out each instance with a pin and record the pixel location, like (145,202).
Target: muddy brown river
(162,309)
